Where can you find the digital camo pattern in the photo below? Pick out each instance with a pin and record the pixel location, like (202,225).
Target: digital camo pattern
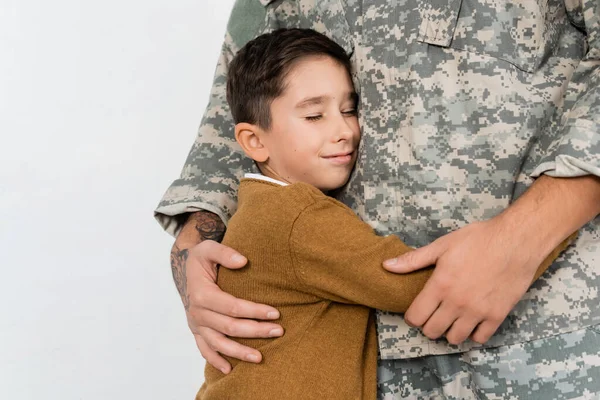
(565,366)
(463,103)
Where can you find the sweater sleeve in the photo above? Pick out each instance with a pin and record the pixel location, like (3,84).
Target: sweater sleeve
(337,256)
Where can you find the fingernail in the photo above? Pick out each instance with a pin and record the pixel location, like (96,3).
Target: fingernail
(390,262)
(276,332)
(224,370)
(237,258)
(273,315)
(252,358)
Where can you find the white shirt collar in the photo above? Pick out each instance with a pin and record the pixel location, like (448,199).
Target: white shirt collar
(262,177)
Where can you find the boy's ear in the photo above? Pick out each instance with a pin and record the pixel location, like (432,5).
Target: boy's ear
(249,137)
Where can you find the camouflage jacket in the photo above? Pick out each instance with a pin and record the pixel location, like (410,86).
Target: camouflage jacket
(463,103)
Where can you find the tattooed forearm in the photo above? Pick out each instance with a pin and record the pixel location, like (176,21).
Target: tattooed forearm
(178,260)
(209,226)
(200,226)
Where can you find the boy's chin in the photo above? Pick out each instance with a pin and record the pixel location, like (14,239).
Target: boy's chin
(331,186)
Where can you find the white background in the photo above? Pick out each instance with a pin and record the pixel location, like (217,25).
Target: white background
(99,105)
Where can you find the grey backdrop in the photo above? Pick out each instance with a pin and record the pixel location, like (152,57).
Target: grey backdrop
(99,104)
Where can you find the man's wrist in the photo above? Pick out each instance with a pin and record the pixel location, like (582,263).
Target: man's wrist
(550,211)
(200,226)
(178,269)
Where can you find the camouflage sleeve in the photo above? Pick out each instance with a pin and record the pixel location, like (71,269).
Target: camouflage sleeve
(210,176)
(576,149)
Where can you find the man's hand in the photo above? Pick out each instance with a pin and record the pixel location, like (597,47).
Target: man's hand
(212,314)
(483,269)
(480,276)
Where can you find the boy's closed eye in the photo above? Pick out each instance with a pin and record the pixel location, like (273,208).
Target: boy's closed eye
(316,117)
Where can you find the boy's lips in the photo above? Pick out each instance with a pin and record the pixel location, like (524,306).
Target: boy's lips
(340,158)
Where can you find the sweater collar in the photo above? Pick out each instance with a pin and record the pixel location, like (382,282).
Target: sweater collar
(262,177)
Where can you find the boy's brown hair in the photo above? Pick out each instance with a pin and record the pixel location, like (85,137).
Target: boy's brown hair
(257,73)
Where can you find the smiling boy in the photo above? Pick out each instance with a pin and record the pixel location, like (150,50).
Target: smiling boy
(293,101)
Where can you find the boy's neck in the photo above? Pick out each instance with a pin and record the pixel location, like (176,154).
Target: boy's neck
(271,173)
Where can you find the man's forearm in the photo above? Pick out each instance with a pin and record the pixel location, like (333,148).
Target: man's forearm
(551,210)
(200,226)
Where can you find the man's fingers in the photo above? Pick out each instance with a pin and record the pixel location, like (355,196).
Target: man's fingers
(423,307)
(226,304)
(240,328)
(211,356)
(485,330)
(223,345)
(461,329)
(441,320)
(414,260)
(215,253)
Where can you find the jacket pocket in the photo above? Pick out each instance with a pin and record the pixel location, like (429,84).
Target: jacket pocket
(508,30)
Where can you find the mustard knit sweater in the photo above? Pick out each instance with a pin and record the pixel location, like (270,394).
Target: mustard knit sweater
(314,260)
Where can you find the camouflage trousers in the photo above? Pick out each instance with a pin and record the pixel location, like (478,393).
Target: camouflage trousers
(565,366)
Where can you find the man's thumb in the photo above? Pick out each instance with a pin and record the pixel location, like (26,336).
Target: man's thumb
(413,260)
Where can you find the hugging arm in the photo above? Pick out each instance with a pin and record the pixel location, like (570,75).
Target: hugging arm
(196,206)
(212,314)
(339,257)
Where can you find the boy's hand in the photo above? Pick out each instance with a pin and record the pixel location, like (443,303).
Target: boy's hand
(213,314)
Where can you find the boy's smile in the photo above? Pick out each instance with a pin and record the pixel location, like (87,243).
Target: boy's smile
(342,158)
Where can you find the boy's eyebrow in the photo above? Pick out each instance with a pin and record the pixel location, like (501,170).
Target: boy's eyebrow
(310,101)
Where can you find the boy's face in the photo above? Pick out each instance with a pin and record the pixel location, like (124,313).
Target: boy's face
(314,131)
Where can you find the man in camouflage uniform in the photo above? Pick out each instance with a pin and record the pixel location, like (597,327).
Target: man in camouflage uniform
(465,106)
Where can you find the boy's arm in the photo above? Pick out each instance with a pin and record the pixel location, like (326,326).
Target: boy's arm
(339,257)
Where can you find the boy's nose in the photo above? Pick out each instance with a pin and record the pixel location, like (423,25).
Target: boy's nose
(344,130)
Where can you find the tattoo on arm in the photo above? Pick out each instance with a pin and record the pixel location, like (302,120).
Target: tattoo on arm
(178,260)
(209,226)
